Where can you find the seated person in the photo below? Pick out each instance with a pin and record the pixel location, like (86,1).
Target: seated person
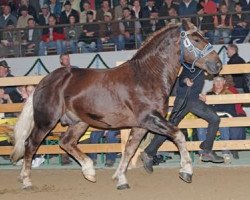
(154,23)
(129,31)
(10,41)
(225,110)
(88,38)
(31,38)
(52,38)
(240,25)
(72,34)
(223,25)
(109,32)
(111,137)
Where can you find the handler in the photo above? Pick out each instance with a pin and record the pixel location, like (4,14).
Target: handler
(188,99)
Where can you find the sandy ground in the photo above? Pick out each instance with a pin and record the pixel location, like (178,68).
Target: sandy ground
(208,184)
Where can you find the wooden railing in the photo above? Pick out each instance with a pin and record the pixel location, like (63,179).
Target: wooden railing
(167,146)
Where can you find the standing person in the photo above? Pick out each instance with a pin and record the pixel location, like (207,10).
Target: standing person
(234,58)
(65,61)
(188,99)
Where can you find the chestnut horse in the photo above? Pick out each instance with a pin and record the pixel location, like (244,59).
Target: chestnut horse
(133,95)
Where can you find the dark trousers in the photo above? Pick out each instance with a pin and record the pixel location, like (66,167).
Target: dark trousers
(198,108)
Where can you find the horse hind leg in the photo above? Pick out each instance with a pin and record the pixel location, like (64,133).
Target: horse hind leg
(31,146)
(68,142)
(158,124)
(132,144)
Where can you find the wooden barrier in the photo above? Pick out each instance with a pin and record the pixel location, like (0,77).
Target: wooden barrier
(167,146)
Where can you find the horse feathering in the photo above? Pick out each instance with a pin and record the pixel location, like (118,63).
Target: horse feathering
(23,129)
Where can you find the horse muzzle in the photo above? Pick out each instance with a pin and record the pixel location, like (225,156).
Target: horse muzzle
(214,67)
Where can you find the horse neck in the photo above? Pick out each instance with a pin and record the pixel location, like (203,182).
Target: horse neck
(161,60)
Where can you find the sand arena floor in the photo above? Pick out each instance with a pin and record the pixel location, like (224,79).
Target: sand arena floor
(211,183)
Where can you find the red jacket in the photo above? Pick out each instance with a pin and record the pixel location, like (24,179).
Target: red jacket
(57,34)
(238,107)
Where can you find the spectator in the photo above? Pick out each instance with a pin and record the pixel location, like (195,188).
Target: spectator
(43,18)
(10,41)
(223,25)
(52,37)
(72,34)
(209,6)
(31,9)
(240,25)
(205,23)
(88,38)
(154,23)
(234,58)
(166,6)
(174,16)
(65,61)
(109,32)
(6,17)
(36,5)
(188,99)
(137,9)
(224,110)
(188,7)
(91,2)
(64,17)
(31,38)
(75,4)
(146,11)
(129,31)
(55,8)
(245,5)
(83,15)
(229,3)
(22,21)
(104,8)
(111,137)
(118,9)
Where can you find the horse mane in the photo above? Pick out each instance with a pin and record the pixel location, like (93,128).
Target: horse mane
(153,40)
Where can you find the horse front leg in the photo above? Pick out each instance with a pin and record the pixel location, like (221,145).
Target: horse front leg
(132,144)
(158,124)
(68,142)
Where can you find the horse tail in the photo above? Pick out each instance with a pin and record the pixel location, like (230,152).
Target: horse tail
(23,129)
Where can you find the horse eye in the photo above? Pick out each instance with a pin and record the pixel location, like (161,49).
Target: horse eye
(197,40)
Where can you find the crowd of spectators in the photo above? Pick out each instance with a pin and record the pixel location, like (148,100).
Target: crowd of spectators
(112,21)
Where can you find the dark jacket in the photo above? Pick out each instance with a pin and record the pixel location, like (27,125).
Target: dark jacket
(109,29)
(64,19)
(89,28)
(237,78)
(196,88)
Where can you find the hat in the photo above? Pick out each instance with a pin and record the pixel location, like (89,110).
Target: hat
(45,6)
(90,12)
(108,14)
(23,8)
(4,64)
(67,3)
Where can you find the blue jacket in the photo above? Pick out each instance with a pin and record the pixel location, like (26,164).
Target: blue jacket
(190,10)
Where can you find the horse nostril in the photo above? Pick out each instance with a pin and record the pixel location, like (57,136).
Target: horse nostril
(219,65)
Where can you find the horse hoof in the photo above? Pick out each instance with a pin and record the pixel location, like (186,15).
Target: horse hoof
(123,187)
(90,178)
(186,177)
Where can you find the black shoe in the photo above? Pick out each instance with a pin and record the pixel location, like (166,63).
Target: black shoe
(211,157)
(235,154)
(147,162)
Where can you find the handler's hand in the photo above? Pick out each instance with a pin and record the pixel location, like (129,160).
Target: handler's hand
(202,97)
(189,82)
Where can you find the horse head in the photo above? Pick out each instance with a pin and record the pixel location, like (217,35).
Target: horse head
(196,50)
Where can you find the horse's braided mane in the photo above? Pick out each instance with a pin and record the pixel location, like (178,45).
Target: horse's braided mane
(153,36)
